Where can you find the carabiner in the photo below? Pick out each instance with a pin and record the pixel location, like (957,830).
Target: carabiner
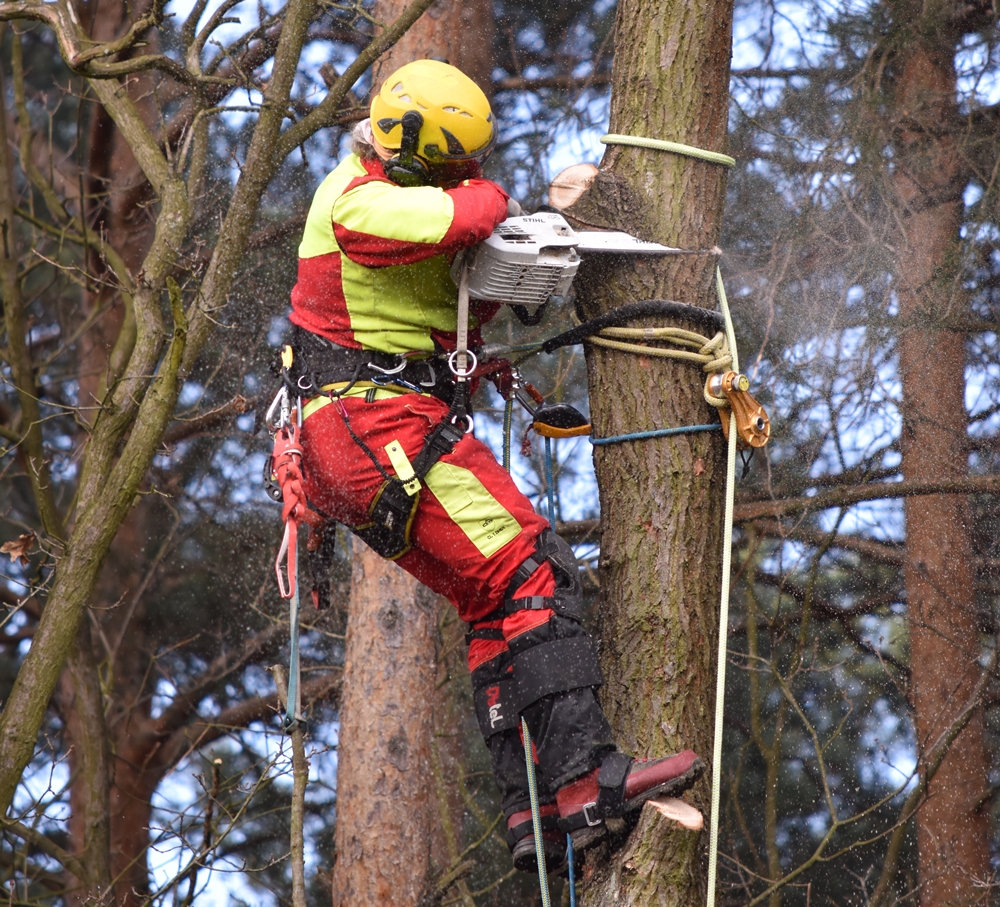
(389,371)
(283,406)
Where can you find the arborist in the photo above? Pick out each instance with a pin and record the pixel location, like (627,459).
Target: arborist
(387,449)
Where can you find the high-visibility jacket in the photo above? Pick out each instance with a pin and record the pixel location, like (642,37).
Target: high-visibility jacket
(375,259)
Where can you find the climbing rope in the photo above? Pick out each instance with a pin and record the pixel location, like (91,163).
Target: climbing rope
(536,816)
(727,554)
(286,469)
(712,354)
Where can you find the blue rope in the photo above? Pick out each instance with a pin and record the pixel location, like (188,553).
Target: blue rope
(292,708)
(655,433)
(549,482)
(572,874)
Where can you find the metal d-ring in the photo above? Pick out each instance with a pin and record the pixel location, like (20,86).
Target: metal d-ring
(468,371)
(469,422)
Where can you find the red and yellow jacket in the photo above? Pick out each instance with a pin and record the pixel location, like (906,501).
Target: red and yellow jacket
(375,258)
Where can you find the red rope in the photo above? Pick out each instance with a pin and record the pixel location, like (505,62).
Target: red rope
(286,465)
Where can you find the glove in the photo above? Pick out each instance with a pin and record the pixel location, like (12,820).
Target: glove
(513,208)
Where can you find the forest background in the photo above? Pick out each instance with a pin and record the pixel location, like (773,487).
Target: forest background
(151,198)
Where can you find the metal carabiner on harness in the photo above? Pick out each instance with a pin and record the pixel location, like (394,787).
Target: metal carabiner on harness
(281,404)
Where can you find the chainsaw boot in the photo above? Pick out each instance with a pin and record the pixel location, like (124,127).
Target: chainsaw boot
(620,787)
(521,838)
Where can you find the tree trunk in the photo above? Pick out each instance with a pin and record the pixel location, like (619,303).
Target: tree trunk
(384,777)
(661,500)
(384,817)
(952,831)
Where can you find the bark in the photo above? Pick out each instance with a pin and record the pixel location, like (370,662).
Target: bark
(384,834)
(384,777)
(952,831)
(661,515)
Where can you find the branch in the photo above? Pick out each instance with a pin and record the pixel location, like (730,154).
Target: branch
(879,552)
(45,844)
(519,83)
(326,111)
(322,688)
(846,497)
(183,429)
(300,776)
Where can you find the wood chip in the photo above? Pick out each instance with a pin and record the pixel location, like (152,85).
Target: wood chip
(682,813)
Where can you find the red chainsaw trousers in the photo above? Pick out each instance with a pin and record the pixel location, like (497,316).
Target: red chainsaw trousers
(473,527)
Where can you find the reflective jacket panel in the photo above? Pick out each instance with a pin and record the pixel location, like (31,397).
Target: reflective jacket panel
(375,258)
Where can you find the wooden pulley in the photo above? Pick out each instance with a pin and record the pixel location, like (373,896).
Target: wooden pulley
(752,423)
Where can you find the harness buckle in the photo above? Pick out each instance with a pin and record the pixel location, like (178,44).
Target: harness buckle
(587,817)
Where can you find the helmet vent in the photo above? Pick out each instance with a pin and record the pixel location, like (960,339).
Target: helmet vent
(397,88)
(405,98)
(454,145)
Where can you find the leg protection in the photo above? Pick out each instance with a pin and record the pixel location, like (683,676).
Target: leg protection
(556,671)
(500,724)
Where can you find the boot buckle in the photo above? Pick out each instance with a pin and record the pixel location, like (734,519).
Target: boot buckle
(587,817)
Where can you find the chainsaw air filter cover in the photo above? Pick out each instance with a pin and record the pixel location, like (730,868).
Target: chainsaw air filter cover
(526,260)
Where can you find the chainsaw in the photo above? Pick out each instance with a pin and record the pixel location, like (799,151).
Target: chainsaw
(531,257)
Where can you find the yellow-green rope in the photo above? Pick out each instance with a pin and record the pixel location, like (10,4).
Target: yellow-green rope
(727,552)
(713,157)
(712,354)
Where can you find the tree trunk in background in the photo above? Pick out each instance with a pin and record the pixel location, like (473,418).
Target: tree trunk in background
(385,813)
(661,500)
(384,777)
(952,831)
(118,199)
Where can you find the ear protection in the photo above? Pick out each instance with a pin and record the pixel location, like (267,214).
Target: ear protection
(405,168)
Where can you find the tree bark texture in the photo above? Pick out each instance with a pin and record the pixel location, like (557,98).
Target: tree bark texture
(386,813)
(461,33)
(661,500)
(384,774)
(952,831)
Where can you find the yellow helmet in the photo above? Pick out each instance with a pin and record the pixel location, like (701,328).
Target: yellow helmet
(455,121)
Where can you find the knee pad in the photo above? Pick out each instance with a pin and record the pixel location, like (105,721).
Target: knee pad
(554,666)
